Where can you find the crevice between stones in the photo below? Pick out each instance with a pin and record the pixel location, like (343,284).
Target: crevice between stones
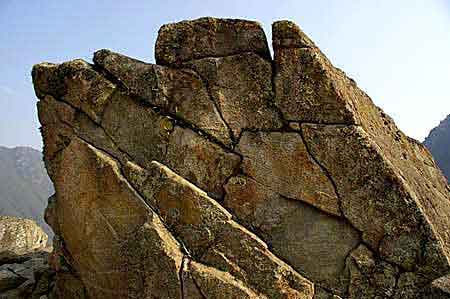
(196,284)
(128,157)
(183,247)
(274,94)
(123,152)
(216,106)
(96,124)
(200,132)
(180,275)
(140,196)
(330,178)
(181,64)
(329,215)
(324,170)
(159,110)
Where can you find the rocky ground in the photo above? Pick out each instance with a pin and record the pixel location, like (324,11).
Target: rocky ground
(24,269)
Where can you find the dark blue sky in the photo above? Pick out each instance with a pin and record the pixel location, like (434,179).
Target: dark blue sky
(397,51)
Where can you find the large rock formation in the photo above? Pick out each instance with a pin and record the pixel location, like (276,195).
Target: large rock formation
(221,173)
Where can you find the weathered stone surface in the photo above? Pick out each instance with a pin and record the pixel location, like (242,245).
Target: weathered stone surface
(101,225)
(20,236)
(266,156)
(372,195)
(47,80)
(242,89)
(320,293)
(211,236)
(200,161)
(308,88)
(370,278)
(325,95)
(410,285)
(136,129)
(153,260)
(128,130)
(439,289)
(255,204)
(325,197)
(76,83)
(60,123)
(315,244)
(213,283)
(245,256)
(50,213)
(9,280)
(185,209)
(312,242)
(177,92)
(209,37)
(286,34)
(28,276)
(69,286)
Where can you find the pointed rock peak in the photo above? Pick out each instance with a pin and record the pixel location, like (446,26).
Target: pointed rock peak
(287,34)
(209,37)
(76,83)
(101,54)
(308,87)
(45,78)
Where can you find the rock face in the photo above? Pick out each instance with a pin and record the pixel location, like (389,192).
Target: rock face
(24,269)
(221,173)
(438,142)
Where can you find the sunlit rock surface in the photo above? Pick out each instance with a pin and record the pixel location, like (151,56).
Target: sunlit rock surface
(222,173)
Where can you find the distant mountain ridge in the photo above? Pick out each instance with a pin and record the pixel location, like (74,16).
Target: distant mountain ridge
(24,184)
(438,142)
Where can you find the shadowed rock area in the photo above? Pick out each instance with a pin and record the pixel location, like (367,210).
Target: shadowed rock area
(220,172)
(24,265)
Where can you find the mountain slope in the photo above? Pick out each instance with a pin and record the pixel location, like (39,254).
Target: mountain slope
(24,184)
(438,142)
